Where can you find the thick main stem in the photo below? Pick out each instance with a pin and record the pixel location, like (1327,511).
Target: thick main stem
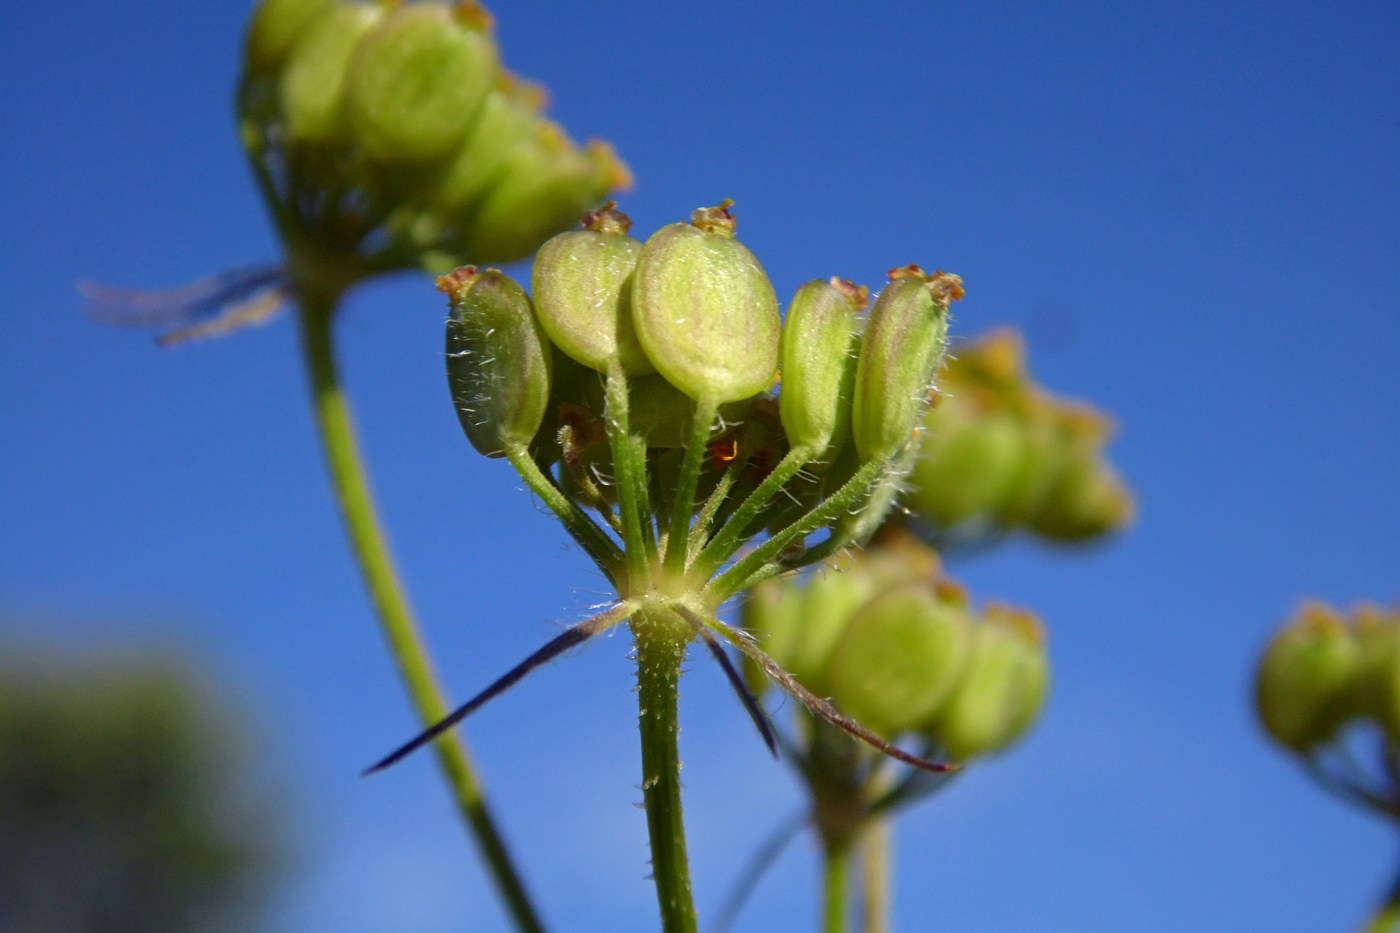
(352,492)
(660,651)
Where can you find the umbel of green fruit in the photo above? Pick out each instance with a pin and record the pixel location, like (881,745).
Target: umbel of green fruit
(382,136)
(1322,670)
(999,452)
(389,136)
(635,392)
(896,645)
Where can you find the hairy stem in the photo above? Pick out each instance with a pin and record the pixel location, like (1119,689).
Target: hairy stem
(350,484)
(660,650)
(701,418)
(731,535)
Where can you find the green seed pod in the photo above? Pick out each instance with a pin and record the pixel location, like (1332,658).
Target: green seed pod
(546,184)
(819,362)
(582,284)
(498,360)
(313,83)
(507,117)
(899,355)
(834,594)
(1376,682)
(1034,679)
(704,309)
(1002,687)
(418,79)
(1088,499)
(899,658)
(968,461)
(1306,678)
(275,27)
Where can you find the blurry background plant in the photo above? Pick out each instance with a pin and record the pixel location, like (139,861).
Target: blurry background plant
(897,644)
(128,800)
(1327,690)
(383,136)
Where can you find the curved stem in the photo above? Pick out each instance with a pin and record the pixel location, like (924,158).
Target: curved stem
(576,522)
(836,869)
(351,487)
(660,651)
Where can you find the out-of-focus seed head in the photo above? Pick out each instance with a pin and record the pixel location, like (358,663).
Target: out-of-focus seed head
(418,79)
(1002,686)
(582,285)
(1306,678)
(275,27)
(704,310)
(819,362)
(546,184)
(899,658)
(899,355)
(968,461)
(317,72)
(506,119)
(498,360)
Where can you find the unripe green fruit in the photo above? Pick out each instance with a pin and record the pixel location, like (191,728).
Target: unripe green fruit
(1306,679)
(582,285)
(498,360)
(832,596)
(1001,690)
(1041,463)
(704,310)
(1376,687)
(506,119)
(417,80)
(819,362)
(899,355)
(1087,499)
(772,613)
(898,659)
(313,83)
(968,460)
(546,184)
(275,27)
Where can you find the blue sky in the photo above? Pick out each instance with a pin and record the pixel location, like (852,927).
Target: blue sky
(1192,210)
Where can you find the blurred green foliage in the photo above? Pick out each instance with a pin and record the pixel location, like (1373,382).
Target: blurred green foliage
(126,801)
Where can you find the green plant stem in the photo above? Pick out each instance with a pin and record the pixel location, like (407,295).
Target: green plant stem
(737,576)
(630,470)
(583,529)
(660,645)
(351,487)
(836,870)
(875,875)
(730,535)
(701,418)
